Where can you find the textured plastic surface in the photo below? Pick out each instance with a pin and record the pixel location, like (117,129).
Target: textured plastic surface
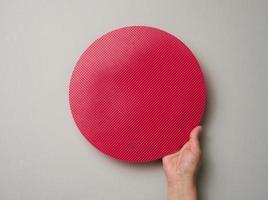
(136,93)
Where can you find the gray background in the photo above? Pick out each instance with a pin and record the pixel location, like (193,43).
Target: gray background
(42,153)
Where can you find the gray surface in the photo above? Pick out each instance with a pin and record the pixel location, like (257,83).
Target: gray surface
(42,153)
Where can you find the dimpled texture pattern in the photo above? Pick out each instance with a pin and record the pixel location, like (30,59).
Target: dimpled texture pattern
(136,93)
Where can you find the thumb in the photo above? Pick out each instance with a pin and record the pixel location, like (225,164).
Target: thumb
(194,139)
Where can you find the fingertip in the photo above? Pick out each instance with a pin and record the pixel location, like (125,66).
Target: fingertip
(196,131)
(200,128)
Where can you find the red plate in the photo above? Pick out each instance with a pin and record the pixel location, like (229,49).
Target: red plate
(136,93)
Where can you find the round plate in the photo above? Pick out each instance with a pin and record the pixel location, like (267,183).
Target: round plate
(136,93)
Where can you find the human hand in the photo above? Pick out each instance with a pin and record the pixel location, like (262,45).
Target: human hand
(181,168)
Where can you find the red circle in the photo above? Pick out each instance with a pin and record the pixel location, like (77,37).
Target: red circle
(136,93)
